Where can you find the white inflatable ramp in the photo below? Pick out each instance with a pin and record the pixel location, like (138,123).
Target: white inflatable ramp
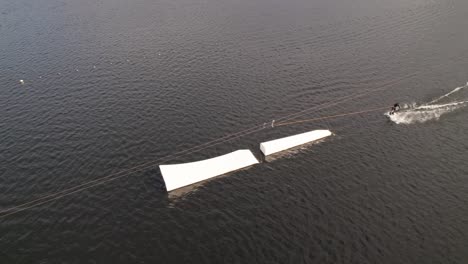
(179,175)
(277,145)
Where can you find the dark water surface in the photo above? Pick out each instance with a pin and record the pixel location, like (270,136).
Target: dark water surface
(112,84)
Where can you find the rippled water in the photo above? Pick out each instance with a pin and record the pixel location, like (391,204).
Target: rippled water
(112,84)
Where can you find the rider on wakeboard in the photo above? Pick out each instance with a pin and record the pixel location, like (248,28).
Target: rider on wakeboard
(395,108)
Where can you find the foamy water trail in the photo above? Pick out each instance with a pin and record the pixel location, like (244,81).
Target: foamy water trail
(440,106)
(448,94)
(412,113)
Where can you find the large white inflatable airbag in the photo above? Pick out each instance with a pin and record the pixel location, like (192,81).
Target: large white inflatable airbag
(180,175)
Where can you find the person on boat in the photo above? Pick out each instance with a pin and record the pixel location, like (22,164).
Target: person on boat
(395,108)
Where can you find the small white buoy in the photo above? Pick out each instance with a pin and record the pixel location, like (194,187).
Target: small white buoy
(94,67)
(159,54)
(76,70)
(40,77)
(21,81)
(128,60)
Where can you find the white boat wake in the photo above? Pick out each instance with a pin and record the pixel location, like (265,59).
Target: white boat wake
(413,113)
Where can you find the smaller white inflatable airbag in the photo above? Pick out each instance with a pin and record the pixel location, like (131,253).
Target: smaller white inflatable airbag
(281,144)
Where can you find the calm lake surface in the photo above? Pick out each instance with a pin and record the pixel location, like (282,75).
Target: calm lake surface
(113,84)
